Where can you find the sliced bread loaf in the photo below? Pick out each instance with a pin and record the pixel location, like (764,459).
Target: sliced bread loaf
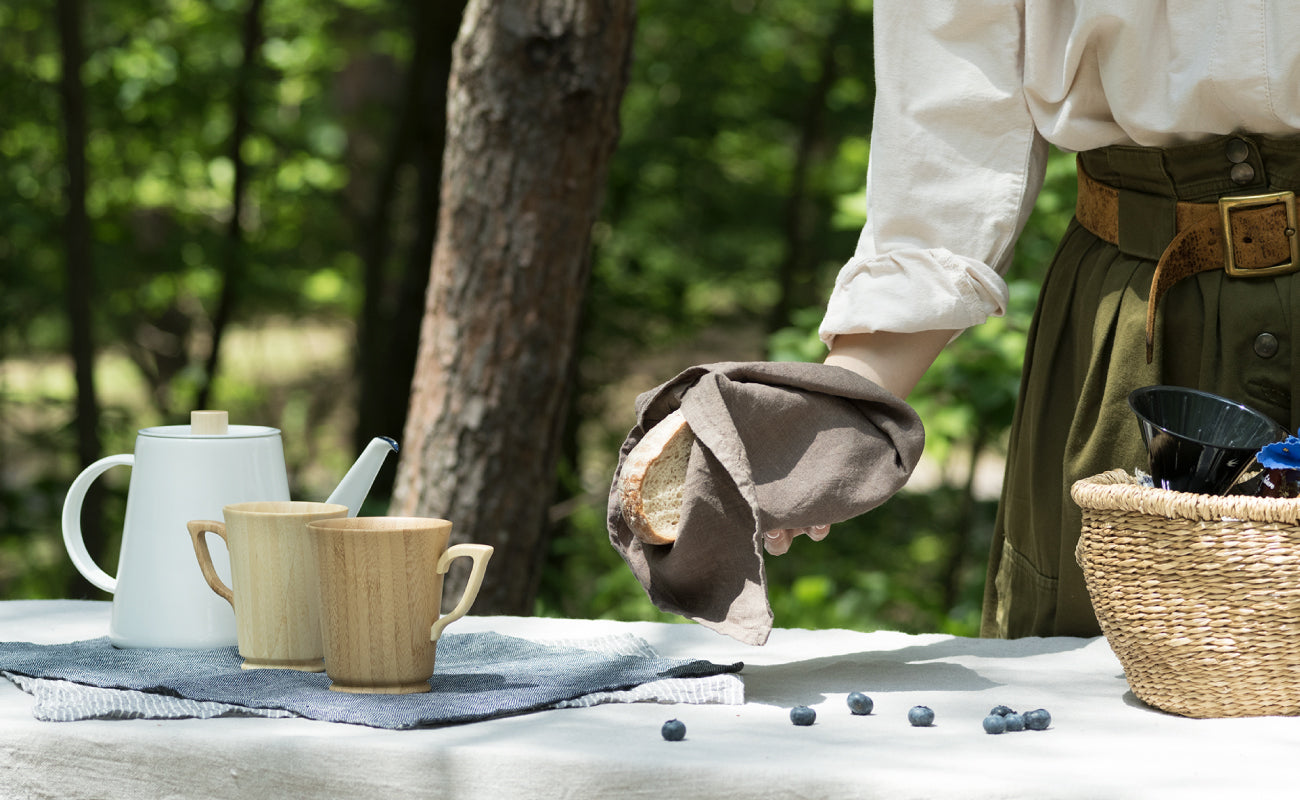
(653,479)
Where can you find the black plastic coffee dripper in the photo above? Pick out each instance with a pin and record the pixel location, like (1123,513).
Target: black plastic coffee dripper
(1197,441)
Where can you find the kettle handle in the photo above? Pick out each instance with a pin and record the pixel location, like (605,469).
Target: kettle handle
(73,540)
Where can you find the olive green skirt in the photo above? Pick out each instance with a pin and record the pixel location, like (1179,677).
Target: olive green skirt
(1234,337)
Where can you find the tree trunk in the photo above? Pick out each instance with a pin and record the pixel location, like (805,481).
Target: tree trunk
(795,268)
(233,268)
(532,123)
(389,328)
(78,268)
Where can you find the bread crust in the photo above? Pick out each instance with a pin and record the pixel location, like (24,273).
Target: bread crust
(641,459)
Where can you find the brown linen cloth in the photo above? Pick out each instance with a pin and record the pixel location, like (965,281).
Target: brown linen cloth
(778,445)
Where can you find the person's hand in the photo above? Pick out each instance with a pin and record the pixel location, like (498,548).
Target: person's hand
(778,542)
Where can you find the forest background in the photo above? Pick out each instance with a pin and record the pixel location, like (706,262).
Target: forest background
(259,181)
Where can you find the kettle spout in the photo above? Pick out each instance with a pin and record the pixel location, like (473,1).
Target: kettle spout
(354,487)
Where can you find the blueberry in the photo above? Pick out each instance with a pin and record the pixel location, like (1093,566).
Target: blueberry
(803,715)
(1015,722)
(1001,711)
(995,723)
(860,704)
(920,716)
(674,730)
(1038,719)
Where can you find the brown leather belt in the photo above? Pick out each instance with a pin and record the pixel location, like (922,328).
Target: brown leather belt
(1260,231)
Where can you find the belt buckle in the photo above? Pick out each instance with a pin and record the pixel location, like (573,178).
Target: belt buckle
(1227,204)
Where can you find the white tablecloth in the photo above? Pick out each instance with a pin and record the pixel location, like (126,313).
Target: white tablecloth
(1103,743)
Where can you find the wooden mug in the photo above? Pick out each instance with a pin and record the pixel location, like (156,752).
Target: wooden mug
(274,580)
(380,596)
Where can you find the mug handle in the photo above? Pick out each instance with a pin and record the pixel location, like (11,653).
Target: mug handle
(480,553)
(73,540)
(197,528)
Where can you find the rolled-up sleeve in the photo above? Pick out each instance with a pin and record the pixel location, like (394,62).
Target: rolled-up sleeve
(955,167)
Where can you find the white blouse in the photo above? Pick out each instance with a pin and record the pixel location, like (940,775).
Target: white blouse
(970,92)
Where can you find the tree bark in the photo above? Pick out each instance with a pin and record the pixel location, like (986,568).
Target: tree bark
(389,328)
(795,267)
(532,123)
(233,269)
(78,266)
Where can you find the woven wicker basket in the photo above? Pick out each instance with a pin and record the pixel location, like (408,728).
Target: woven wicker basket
(1198,595)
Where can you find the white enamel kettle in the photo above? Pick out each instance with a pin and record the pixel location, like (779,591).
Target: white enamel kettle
(180,473)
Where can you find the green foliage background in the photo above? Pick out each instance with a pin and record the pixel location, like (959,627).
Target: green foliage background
(734,197)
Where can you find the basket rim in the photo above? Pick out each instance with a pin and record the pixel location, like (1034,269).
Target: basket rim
(1118,490)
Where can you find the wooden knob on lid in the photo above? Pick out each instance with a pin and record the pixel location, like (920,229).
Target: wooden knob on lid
(209,423)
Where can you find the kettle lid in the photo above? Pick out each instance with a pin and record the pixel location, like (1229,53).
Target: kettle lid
(209,423)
